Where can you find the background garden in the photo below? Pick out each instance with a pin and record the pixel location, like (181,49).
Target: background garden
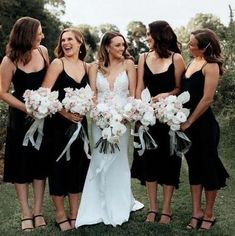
(224,108)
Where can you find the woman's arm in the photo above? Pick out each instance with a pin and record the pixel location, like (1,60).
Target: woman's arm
(53,73)
(211,73)
(92,78)
(131,72)
(45,54)
(140,77)
(7,70)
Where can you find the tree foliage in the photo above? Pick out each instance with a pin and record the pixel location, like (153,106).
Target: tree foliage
(108,27)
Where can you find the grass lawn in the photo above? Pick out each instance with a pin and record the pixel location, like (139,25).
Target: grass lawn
(224,209)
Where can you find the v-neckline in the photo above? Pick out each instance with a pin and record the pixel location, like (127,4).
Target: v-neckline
(114,81)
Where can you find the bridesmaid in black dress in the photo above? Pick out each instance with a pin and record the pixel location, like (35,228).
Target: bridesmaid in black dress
(159,70)
(206,170)
(67,177)
(25,66)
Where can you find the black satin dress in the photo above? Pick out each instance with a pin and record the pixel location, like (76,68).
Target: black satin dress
(67,176)
(158,165)
(205,166)
(23,164)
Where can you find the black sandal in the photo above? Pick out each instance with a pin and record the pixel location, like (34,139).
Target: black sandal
(155,216)
(168,215)
(27,229)
(212,223)
(38,226)
(198,223)
(58,224)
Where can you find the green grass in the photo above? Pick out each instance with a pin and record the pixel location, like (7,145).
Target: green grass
(181,204)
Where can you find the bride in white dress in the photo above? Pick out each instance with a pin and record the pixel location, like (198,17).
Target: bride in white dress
(107,195)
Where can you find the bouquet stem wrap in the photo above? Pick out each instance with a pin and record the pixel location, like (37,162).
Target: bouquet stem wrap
(146,140)
(72,139)
(37,126)
(179,143)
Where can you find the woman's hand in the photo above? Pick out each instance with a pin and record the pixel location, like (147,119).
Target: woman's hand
(185,125)
(73,117)
(160,96)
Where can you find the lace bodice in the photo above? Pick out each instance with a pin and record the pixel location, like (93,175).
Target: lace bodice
(119,91)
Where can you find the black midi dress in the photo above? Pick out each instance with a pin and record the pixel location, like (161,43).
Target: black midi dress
(205,166)
(67,176)
(158,165)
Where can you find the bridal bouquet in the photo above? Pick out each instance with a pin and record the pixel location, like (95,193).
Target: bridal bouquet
(170,110)
(142,110)
(78,101)
(108,117)
(40,103)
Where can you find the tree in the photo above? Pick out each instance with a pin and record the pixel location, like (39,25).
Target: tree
(92,38)
(108,27)
(136,32)
(11,10)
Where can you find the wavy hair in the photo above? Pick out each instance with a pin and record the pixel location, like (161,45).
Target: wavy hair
(21,39)
(79,37)
(103,57)
(165,40)
(209,43)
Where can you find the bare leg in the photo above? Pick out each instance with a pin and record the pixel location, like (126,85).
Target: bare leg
(26,212)
(38,189)
(209,213)
(197,212)
(152,195)
(60,213)
(166,209)
(73,202)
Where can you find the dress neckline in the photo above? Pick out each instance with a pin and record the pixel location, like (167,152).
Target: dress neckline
(159,72)
(197,71)
(32,72)
(115,80)
(76,81)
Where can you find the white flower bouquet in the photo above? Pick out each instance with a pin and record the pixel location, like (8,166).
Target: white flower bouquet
(108,117)
(78,101)
(170,110)
(39,103)
(141,110)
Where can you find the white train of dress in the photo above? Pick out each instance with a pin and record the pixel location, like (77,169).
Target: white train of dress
(107,195)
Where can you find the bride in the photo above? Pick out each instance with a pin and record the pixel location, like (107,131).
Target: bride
(107,195)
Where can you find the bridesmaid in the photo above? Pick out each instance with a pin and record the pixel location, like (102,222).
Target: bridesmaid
(24,66)
(159,70)
(67,177)
(206,170)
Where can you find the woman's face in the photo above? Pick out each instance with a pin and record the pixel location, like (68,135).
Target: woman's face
(149,40)
(193,47)
(117,47)
(69,44)
(39,37)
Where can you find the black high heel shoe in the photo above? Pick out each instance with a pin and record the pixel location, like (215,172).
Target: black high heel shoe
(212,223)
(198,223)
(155,216)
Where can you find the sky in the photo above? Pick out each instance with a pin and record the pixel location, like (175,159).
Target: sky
(120,12)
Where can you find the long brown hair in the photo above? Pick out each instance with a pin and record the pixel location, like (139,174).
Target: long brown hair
(103,57)
(209,43)
(22,38)
(79,37)
(165,40)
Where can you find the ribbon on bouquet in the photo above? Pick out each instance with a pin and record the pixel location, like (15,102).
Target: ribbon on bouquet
(179,143)
(29,136)
(72,139)
(143,131)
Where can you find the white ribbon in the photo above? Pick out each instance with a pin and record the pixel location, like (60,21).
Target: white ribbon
(29,136)
(174,141)
(142,129)
(72,139)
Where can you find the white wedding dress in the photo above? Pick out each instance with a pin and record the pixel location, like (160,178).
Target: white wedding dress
(107,195)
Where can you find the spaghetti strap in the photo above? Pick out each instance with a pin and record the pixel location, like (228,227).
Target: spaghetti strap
(40,51)
(145,56)
(62,62)
(85,67)
(173,57)
(204,65)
